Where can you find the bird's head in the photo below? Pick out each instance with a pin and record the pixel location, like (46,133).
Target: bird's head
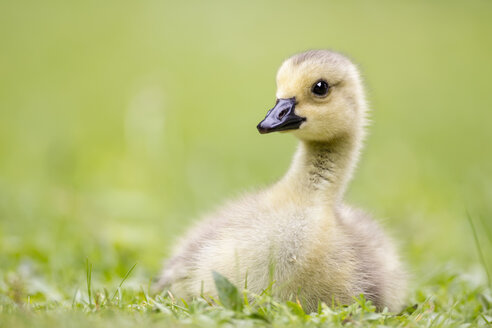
(319,97)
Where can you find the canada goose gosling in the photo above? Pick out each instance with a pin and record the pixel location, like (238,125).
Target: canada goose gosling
(320,249)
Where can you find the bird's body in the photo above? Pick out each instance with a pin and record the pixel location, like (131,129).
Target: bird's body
(299,233)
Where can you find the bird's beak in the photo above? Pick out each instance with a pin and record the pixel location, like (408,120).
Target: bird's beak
(281,117)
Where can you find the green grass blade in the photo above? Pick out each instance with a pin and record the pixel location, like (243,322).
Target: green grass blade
(122,281)
(89,280)
(479,249)
(229,295)
(487,229)
(74,297)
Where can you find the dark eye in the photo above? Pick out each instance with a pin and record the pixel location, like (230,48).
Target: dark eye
(320,88)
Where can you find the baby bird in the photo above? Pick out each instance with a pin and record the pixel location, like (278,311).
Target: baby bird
(299,230)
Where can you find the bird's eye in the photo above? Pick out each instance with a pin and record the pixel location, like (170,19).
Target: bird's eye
(320,88)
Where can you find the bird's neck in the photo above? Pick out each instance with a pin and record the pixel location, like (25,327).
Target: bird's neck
(321,170)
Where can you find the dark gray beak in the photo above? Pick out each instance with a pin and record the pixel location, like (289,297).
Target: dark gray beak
(281,117)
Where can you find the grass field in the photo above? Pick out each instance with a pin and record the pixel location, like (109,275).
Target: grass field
(122,122)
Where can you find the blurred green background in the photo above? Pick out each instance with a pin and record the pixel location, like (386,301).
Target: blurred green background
(121,122)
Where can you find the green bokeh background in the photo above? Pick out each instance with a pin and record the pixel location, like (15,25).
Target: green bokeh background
(121,122)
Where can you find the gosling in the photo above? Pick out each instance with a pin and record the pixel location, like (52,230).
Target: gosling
(298,231)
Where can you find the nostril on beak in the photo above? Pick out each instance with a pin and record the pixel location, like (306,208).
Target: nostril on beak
(282,114)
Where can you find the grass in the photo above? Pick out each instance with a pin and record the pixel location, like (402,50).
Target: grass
(122,122)
(447,300)
(480,250)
